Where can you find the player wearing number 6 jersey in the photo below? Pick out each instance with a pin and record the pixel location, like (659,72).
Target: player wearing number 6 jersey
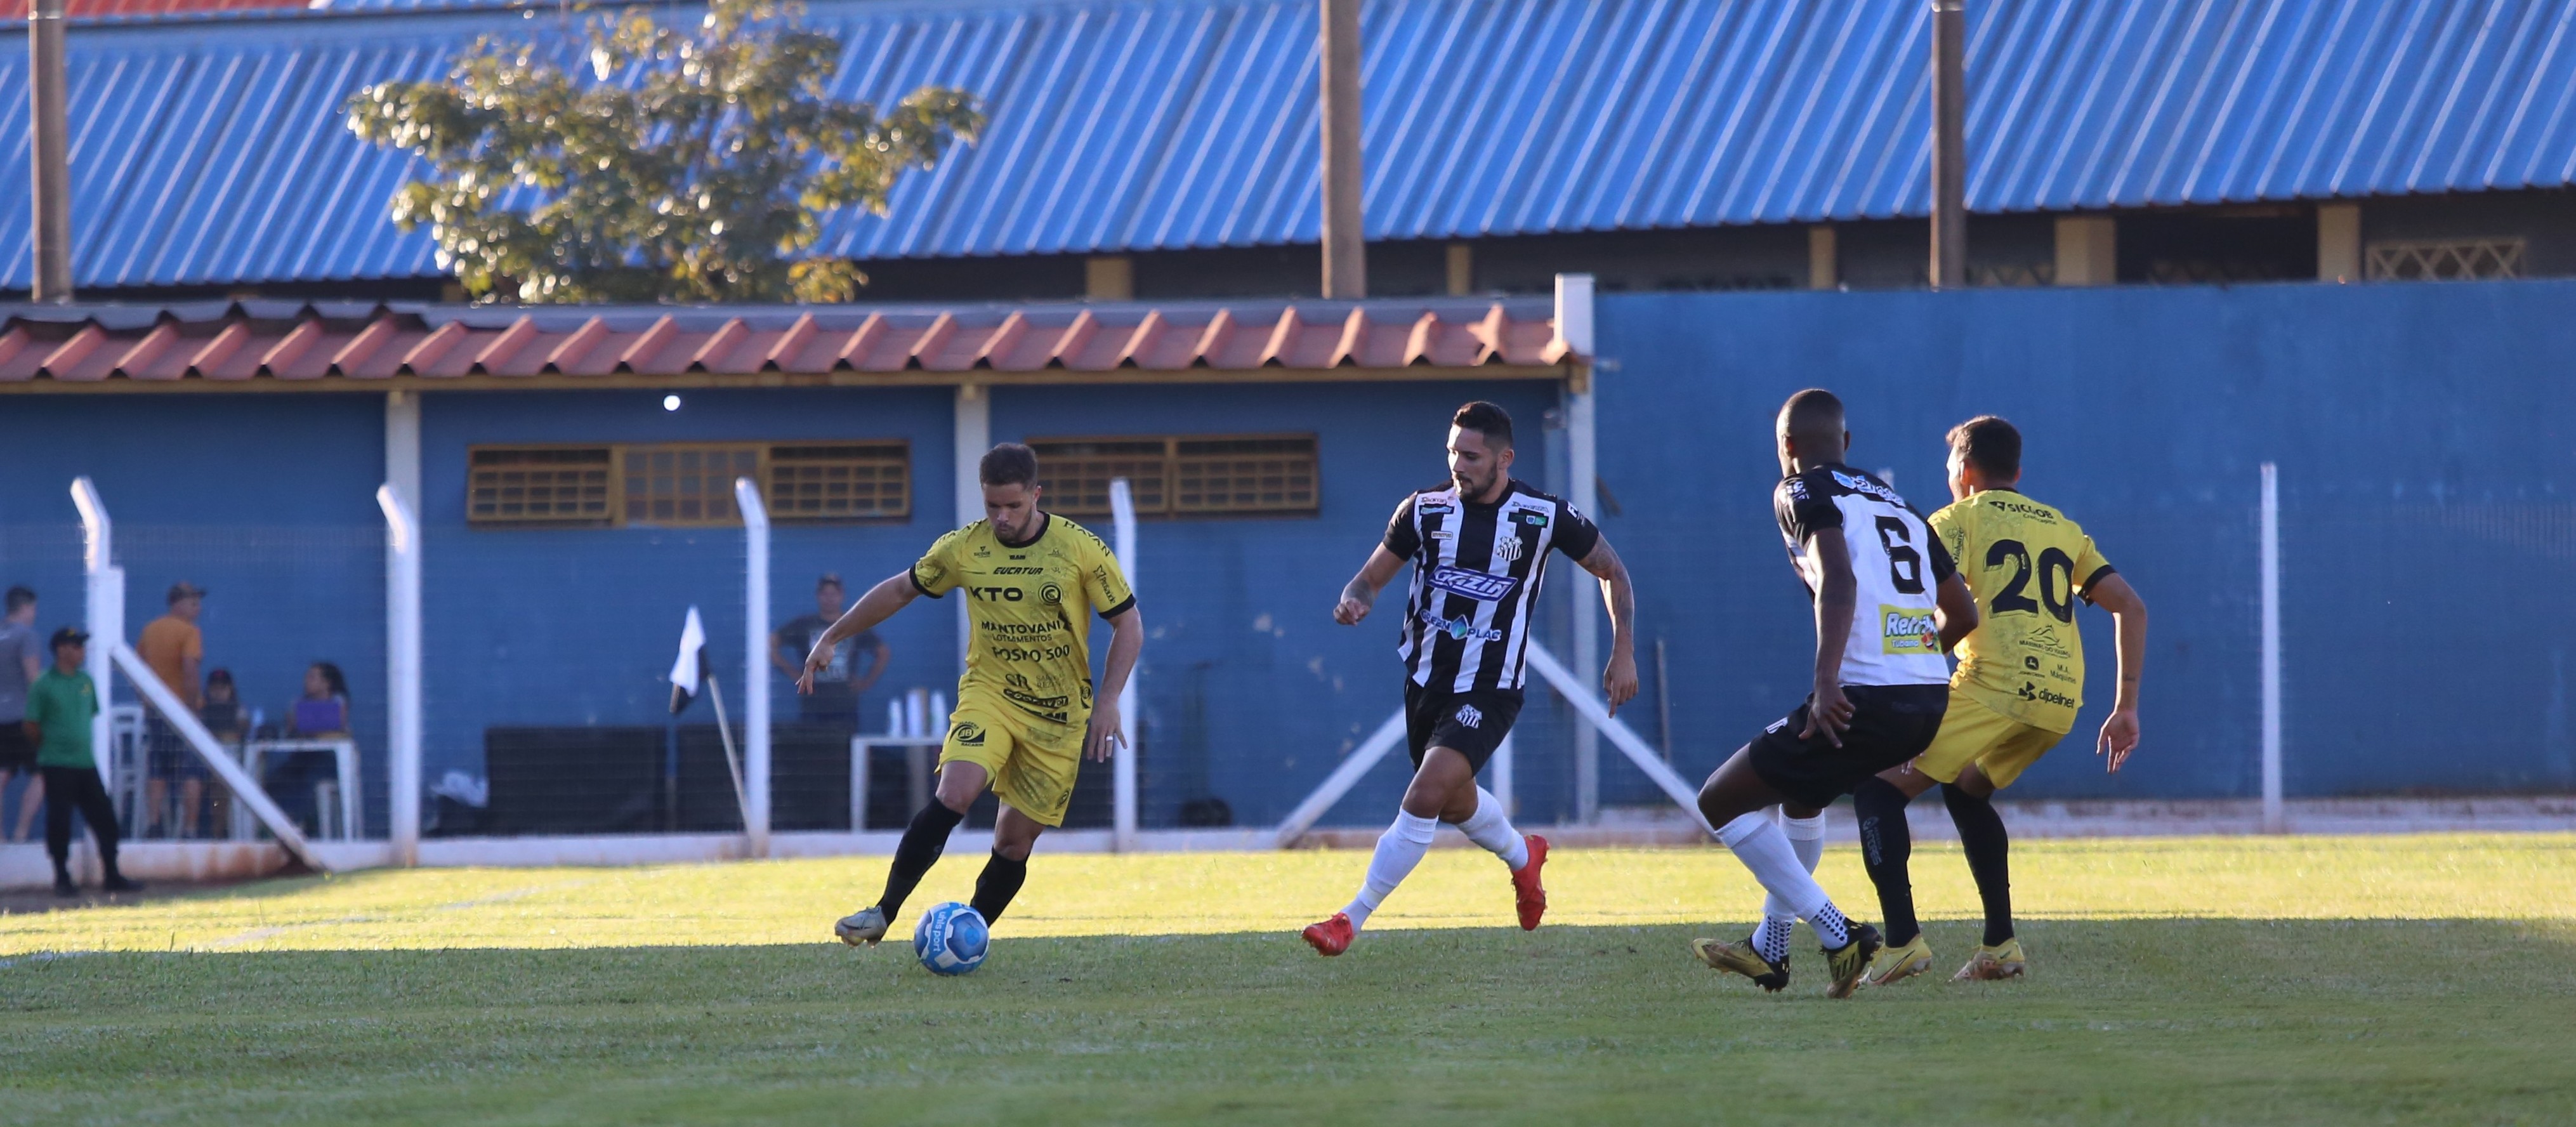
(1887,603)
(2019,685)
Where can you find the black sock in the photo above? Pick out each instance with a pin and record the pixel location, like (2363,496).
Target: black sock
(1000,882)
(1981,835)
(1886,843)
(923,841)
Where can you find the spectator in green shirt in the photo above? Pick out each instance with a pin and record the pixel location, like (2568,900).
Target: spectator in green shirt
(60,706)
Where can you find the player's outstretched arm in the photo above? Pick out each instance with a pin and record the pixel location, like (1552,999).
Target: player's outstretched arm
(1955,607)
(2129,629)
(878,605)
(1126,640)
(1619,677)
(1837,600)
(1361,593)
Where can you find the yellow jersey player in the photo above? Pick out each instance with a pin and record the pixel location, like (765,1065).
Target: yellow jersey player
(1026,710)
(2018,687)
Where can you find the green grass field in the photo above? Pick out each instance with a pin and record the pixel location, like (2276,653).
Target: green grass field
(2302,980)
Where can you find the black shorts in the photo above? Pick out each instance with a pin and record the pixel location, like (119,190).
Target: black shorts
(1890,725)
(1470,723)
(17,753)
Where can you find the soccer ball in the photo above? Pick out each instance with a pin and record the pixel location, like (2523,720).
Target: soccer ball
(950,939)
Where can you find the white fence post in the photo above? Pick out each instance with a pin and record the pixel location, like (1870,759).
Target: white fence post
(1574,329)
(104,610)
(2275,817)
(402,675)
(755,665)
(1122,515)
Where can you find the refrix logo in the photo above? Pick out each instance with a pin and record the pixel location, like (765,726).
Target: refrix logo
(1904,630)
(1477,585)
(968,734)
(1460,628)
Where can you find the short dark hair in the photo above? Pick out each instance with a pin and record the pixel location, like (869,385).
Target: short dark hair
(19,597)
(1813,412)
(830,579)
(1008,464)
(1990,444)
(1486,419)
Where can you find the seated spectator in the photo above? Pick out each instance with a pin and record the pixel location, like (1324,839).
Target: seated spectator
(223,717)
(323,711)
(222,713)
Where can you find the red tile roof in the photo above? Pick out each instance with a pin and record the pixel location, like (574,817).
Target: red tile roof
(237,343)
(132,9)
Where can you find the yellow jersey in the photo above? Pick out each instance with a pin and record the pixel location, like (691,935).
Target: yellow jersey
(2026,564)
(1026,602)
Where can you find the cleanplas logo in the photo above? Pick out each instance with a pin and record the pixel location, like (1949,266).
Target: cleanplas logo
(1460,628)
(1904,630)
(1477,585)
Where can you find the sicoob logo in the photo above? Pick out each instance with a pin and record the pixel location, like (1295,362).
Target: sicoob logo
(1477,585)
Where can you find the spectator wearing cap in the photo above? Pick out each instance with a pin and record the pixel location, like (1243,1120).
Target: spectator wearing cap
(60,706)
(21,662)
(835,699)
(175,649)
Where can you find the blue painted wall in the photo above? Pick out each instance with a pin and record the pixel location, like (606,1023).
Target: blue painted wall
(2428,497)
(267,501)
(1251,693)
(2428,484)
(558,627)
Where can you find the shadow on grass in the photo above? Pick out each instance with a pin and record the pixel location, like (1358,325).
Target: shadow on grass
(2219,1020)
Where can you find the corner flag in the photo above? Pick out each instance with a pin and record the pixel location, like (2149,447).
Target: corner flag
(690,669)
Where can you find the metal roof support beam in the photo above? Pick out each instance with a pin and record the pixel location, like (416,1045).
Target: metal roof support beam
(1949,144)
(1345,250)
(51,159)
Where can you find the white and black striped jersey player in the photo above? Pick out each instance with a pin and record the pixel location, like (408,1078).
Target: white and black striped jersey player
(1887,605)
(1479,549)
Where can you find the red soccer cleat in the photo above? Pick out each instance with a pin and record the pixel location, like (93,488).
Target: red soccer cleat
(1526,890)
(1331,937)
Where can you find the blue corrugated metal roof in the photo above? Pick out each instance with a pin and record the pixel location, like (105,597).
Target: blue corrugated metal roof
(213,152)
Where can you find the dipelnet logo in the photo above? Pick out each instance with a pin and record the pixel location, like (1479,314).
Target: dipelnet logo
(1904,630)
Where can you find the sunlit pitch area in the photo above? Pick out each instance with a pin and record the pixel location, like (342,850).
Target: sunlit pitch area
(2489,877)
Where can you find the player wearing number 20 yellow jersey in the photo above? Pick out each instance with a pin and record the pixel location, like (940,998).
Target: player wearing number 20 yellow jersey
(2015,694)
(2027,564)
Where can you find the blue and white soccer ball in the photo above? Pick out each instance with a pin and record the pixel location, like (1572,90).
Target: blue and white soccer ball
(951,939)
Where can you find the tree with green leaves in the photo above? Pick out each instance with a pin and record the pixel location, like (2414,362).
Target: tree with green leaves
(687,165)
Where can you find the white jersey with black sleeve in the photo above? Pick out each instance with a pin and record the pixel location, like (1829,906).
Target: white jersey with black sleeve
(1897,563)
(1477,570)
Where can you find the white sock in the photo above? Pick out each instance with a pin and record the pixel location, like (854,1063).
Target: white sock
(1489,827)
(1759,844)
(1399,849)
(1807,838)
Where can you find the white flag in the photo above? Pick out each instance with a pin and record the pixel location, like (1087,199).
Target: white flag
(687,669)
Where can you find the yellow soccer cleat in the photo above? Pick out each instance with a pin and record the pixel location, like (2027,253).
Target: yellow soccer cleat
(1898,964)
(1992,964)
(1739,957)
(1851,960)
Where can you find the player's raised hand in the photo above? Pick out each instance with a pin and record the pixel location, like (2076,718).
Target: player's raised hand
(1828,715)
(1619,681)
(815,662)
(1102,737)
(2119,738)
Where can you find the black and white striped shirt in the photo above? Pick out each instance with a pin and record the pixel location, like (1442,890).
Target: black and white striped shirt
(1476,575)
